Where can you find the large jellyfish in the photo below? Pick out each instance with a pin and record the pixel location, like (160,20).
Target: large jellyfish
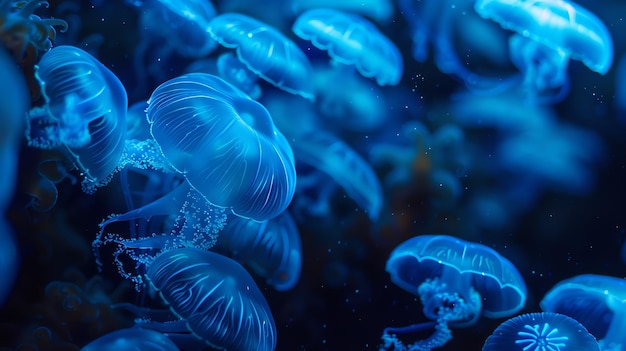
(13,106)
(217,303)
(84,113)
(549,32)
(266,52)
(597,302)
(457,282)
(352,40)
(271,248)
(541,331)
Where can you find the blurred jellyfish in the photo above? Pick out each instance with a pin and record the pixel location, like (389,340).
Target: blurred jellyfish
(541,331)
(131,339)
(457,282)
(331,155)
(620,88)
(352,40)
(13,106)
(266,52)
(271,248)
(552,31)
(236,73)
(27,36)
(597,302)
(84,113)
(214,300)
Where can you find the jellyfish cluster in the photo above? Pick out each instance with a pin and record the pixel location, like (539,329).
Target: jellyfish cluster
(313,175)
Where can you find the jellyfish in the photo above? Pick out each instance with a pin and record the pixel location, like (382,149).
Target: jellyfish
(266,52)
(596,301)
(457,282)
(247,164)
(541,331)
(27,36)
(216,302)
(13,106)
(236,73)
(352,40)
(271,248)
(84,113)
(550,32)
(130,339)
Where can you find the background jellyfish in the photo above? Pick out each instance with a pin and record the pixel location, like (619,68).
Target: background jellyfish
(266,52)
(143,339)
(352,40)
(457,282)
(224,309)
(84,113)
(560,30)
(596,302)
(541,331)
(271,248)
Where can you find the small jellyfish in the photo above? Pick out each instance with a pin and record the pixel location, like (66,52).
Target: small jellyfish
(352,40)
(131,339)
(266,52)
(457,282)
(545,331)
(271,248)
(216,301)
(596,301)
(561,29)
(84,112)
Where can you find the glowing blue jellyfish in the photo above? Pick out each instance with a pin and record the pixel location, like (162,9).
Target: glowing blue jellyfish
(216,300)
(271,248)
(131,339)
(541,332)
(457,282)
(551,32)
(246,164)
(597,302)
(329,154)
(182,25)
(84,112)
(266,52)
(13,106)
(352,40)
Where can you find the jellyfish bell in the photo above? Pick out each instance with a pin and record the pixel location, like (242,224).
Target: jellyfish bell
(84,112)
(352,40)
(457,282)
(131,338)
(541,331)
(266,52)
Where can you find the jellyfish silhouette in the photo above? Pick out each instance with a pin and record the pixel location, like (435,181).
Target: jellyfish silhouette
(541,331)
(272,248)
(552,31)
(457,282)
(352,40)
(596,301)
(217,302)
(266,52)
(84,113)
(13,106)
(131,339)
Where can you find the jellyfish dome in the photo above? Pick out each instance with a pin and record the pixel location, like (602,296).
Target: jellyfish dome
(132,339)
(215,297)
(224,143)
(457,282)
(539,332)
(559,24)
(352,40)
(266,52)
(597,302)
(272,248)
(84,112)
